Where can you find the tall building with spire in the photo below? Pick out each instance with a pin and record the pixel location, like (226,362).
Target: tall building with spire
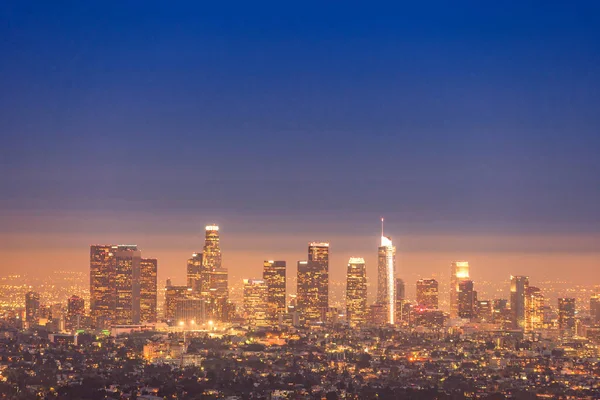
(386,276)
(459,271)
(356,292)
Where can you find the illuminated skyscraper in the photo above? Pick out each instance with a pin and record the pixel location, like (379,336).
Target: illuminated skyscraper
(148,289)
(194,273)
(356,292)
(189,312)
(313,283)
(467,299)
(427,293)
(75,313)
(566,315)
(214,273)
(274,277)
(518,287)
(400,289)
(386,276)
(534,309)
(255,302)
(459,271)
(102,285)
(127,284)
(595,309)
(211,257)
(172,295)
(32,307)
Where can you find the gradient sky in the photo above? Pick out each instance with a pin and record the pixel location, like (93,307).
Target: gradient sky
(474,127)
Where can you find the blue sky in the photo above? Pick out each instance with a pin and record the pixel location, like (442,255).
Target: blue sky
(449,113)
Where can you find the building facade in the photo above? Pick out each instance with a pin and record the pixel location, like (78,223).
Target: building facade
(459,271)
(427,293)
(356,292)
(566,315)
(148,289)
(386,277)
(274,275)
(518,288)
(256,293)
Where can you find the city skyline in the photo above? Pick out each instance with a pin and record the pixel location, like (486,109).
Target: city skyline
(193,194)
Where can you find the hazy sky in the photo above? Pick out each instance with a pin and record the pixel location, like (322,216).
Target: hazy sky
(473,127)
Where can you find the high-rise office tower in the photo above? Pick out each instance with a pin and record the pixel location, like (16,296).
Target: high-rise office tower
(32,307)
(400,289)
(309,292)
(402,306)
(194,273)
(127,285)
(595,309)
(518,287)
(313,283)
(148,289)
(566,315)
(386,276)
(485,310)
(211,257)
(427,293)
(274,277)
(534,309)
(459,271)
(75,313)
(256,293)
(356,292)
(102,285)
(215,274)
(172,295)
(190,312)
(467,299)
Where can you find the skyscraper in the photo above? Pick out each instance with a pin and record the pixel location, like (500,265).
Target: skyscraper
(172,295)
(189,312)
(595,309)
(534,309)
(148,289)
(386,276)
(427,293)
(75,313)
(274,276)
(32,307)
(211,257)
(566,315)
(102,285)
(356,292)
(467,299)
(400,289)
(127,284)
(194,273)
(313,283)
(518,287)
(459,271)
(214,273)
(255,302)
